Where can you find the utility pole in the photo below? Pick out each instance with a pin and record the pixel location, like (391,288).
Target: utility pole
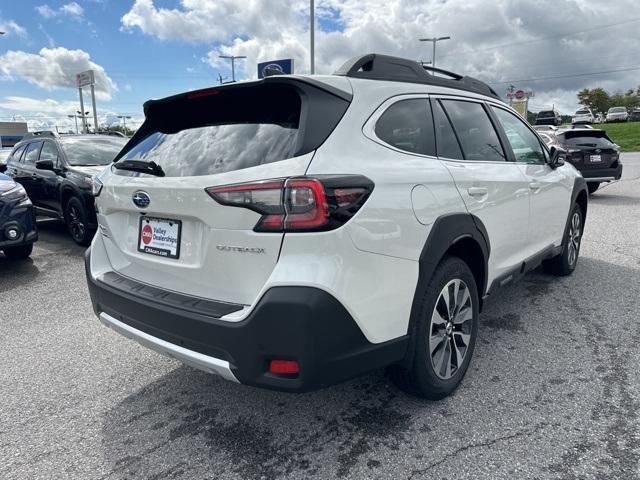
(434,40)
(124,119)
(233,59)
(95,113)
(312,34)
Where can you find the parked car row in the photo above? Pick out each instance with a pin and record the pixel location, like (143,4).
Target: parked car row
(56,173)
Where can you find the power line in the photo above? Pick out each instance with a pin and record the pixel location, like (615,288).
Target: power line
(539,39)
(571,75)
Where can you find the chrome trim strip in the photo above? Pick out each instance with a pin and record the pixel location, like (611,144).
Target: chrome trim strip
(189,357)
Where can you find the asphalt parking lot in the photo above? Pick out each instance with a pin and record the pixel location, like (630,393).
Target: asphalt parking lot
(553,390)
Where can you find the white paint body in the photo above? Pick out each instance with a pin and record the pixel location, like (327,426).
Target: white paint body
(370,264)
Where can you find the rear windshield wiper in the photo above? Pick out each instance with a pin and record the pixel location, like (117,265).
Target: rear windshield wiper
(152,168)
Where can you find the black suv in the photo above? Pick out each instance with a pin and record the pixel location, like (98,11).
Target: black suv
(57,171)
(549,117)
(592,152)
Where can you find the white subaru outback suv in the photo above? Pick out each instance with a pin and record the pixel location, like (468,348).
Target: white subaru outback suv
(296,231)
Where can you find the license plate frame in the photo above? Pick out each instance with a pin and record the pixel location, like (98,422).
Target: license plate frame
(158,251)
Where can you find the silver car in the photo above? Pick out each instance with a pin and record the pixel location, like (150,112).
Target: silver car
(617,114)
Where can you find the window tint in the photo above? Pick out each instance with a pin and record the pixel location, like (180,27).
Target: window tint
(92,151)
(32,152)
(49,152)
(446,141)
(477,136)
(524,143)
(585,140)
(17,153)
(407,125)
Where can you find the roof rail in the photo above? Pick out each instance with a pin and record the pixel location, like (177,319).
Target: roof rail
(40,134)
(375,66)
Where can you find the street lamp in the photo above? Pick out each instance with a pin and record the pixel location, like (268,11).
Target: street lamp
(233,64)
(84,117)
(312,34)
(124,119)
(434,40)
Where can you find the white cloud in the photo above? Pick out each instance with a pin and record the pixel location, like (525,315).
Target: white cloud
(10,27)
(54,68)
(71,10)
(497,41)
(27,104)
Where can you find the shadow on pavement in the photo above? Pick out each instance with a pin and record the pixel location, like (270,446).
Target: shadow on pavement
(191,424)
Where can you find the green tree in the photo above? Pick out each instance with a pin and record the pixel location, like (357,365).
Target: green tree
(597,99)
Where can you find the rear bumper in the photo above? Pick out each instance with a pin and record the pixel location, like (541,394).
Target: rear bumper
(292,323)
(602,174)
(24,219)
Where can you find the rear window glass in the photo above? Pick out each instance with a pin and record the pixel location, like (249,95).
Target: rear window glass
(582,139)
(92,151)
(617,110)
(217,148)
(582,112)
(408,125)
(549,113)
(232,129)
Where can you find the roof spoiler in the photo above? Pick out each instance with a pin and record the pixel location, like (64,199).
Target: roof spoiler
(375,66)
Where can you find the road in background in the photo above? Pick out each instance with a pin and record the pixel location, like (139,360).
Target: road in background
(553,390)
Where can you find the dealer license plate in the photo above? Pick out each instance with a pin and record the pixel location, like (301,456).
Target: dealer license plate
(159,236)
(595,158)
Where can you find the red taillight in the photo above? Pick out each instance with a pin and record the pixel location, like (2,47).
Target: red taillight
(305,204)
(284,367)
(296,204)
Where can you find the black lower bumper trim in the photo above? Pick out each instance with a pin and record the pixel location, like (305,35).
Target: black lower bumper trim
(615,173)
(293,323)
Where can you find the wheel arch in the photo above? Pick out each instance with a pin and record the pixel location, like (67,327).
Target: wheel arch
(460,234)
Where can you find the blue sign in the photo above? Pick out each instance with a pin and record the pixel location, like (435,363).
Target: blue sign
(275,67)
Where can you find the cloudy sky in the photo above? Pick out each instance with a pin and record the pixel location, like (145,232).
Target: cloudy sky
(143,49)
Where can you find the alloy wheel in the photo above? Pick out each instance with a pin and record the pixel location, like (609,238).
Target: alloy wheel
(76,225)
(450,329)
(573,242)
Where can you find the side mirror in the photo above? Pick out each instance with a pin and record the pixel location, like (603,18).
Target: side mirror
(44,165)
(557,157)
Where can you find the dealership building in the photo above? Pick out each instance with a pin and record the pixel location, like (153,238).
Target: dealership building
(11,133)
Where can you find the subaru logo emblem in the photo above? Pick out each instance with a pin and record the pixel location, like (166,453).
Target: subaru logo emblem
(141,199)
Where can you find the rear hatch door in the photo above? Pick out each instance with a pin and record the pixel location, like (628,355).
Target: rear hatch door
(160,225)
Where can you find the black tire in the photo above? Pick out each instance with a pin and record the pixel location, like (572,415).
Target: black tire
(76,218)
(593,187)
(18,252)
(565,263)
(423,378)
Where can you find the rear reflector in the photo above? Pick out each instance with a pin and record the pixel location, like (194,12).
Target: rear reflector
(298,204)
(284,367)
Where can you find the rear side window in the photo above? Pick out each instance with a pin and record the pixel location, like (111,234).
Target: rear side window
(478,138)
(448,146)
(32,152)
(408,125)
(232,128)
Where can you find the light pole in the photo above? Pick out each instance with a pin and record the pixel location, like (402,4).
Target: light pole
(75,117)
(312,34)
(434,40)
(84,116)
(124,119)
(233,64)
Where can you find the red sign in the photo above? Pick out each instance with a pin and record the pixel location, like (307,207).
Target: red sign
(147,234)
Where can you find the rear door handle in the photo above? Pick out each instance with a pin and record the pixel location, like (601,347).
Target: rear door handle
(535,186)
(477,191)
